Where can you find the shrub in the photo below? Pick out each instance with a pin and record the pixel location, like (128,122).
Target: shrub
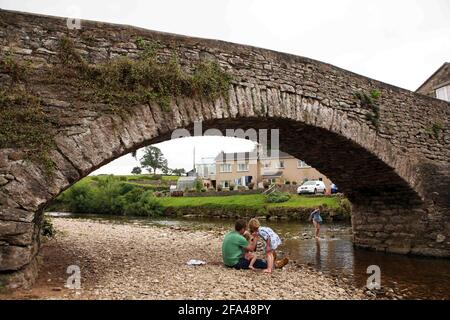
(251,185)
(177,193)
(346,206)
(287,182)
(47,228)
(266,184)
(241,188)
(219,188)
(198,185)
(146,206)
(278,197)
(231,186)
(136,170)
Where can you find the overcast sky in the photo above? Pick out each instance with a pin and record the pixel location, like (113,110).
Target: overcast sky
(401,42)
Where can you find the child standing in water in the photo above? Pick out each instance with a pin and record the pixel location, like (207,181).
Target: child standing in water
(316,219)
(272,242)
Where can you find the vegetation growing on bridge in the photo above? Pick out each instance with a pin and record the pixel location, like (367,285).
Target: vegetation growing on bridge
(370,101)
(124,81)
(24,126)
(17,71)
(435,130)
(117,83)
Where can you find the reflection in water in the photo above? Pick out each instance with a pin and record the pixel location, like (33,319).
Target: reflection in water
(318,257)
(334,253)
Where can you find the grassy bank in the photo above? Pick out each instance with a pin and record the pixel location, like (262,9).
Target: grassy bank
(245,206)
(135,196)
(255,201)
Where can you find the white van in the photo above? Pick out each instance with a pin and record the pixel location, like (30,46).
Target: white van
(313,187)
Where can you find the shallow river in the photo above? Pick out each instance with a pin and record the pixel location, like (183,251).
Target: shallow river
(415,277)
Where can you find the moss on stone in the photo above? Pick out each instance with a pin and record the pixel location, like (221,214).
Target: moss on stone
(370,101)
(435,130)
(118,83)
(25,126)
(18,71)
(126,82)
(67,53)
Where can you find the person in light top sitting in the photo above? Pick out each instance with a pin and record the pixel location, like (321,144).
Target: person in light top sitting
(272,241)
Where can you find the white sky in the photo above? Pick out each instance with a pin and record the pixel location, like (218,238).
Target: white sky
(401,42)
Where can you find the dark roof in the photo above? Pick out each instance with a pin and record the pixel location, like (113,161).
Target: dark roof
(235,156)
(432,76)
(281,155)
(248,155)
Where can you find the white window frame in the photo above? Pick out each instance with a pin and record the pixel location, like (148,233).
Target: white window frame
(228,165)
(302,164)
(443,93)
(225,182)
(243,164)
(279,166)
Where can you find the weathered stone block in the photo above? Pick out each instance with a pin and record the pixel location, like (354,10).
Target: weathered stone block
(15,257)
(17,233)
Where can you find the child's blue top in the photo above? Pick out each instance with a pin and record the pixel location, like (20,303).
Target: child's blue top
(315,215)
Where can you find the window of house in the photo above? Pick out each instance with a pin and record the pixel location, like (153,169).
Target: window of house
(443,93)
(302,164)
(280,164)
(226,184)
(226,167)
(243,167)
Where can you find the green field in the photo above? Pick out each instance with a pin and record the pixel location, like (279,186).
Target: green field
(254,200)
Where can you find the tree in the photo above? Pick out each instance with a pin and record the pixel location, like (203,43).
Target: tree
(178,172)
(165,169)
(153,159)
(136,170)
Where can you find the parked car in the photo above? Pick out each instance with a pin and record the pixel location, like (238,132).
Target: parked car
(334,189)
(313,187)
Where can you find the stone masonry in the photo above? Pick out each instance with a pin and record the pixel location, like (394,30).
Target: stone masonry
(397,175)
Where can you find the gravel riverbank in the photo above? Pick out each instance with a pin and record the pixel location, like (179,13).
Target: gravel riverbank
(126,261)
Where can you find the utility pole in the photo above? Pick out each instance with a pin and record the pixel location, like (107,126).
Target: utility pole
(194,160)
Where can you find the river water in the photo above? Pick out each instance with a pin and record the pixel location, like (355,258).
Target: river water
(413,277)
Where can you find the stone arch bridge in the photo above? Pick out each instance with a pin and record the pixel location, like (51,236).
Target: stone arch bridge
(391,159)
